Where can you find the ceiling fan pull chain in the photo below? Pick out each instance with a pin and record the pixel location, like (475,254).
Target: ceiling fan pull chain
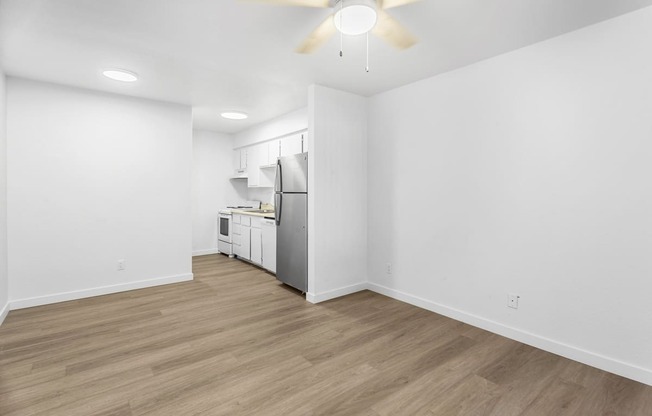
(341,34)
(367,67)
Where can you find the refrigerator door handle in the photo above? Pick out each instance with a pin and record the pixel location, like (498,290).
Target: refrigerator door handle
(279,207)
(278,185)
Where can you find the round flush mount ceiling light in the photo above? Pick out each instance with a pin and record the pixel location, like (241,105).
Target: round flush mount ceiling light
(234,115)
(120,75)
(355,17)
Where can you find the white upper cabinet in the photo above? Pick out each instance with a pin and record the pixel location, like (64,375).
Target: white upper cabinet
(257,162)
(240,160)
(291,145)
(304,142)
(258,156)
(253,169)
(262,149)
(236,159)
(274,151)
(244,158)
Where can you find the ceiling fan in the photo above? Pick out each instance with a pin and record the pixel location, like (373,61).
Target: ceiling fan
(354,17)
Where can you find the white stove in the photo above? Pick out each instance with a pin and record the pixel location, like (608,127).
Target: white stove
(225,226)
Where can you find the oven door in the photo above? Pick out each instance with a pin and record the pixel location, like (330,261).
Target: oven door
(225,231)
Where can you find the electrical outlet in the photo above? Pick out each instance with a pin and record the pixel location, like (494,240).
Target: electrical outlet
(389,268)
(512,301)
(121,265)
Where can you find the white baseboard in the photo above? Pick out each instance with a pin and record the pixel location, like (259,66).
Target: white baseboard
(611,365)
(332,294)
(205,252)
(4,312)
(97,291)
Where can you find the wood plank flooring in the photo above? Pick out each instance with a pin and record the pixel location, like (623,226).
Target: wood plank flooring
(236,342)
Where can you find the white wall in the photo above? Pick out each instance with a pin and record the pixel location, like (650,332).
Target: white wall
(211,188)
(264,195)
(4,280)
(527,173)
(94,178)
(337,214)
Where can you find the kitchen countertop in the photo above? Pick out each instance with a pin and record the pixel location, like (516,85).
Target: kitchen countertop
(270,214)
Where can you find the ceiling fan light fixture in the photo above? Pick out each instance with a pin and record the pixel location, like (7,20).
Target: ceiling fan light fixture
(355,17)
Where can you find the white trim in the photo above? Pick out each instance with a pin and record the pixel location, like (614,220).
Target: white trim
(336,293)
(611,365)
(205,252)
(4,312)
(98,291)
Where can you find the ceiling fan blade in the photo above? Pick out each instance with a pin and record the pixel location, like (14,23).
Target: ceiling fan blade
(305,3)
(391,31)
(388,4)
(318,36)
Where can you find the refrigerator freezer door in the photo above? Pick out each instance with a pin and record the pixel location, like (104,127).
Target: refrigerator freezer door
(292,242)
(292,174)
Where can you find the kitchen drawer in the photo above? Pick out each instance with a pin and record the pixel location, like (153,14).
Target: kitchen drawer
(237,229)
(237,218)
(256,222)
(246,221)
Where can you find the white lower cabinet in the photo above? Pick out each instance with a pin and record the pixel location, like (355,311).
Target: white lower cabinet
(237,235)
(242,236)
(256,246)
(269,245)
(256,241)
(246,243)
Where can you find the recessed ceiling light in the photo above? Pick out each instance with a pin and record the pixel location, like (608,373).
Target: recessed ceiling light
(234,115)
(120,75)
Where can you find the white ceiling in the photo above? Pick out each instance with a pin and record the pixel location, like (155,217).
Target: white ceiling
(220,55)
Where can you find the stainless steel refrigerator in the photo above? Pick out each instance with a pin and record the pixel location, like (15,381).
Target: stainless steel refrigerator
(291,200)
